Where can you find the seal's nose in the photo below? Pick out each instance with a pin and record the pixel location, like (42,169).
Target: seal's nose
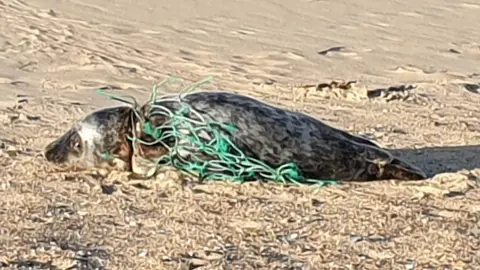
(58,150)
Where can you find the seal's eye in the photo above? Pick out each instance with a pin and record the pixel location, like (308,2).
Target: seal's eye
(76,147)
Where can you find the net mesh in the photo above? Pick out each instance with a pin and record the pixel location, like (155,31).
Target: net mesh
(211,153)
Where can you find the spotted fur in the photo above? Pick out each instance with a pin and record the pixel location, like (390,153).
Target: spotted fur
(278,136)
(265,132)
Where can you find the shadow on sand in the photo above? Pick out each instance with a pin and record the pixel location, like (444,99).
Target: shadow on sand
(435,160)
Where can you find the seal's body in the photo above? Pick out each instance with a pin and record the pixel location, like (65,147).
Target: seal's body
(277,136)
(264,132)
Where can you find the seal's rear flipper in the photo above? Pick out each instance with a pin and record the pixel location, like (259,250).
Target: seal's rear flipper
(382,165)
(401,170)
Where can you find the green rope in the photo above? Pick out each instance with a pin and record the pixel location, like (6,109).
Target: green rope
(215,158)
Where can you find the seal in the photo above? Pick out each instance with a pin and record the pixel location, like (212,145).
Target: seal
(99,140)
(278,136)
(265,132)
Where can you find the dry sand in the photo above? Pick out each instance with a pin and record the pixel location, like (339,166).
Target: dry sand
(55,54)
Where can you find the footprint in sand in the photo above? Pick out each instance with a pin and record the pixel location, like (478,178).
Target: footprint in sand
(425,75)
(472,87)
(267,65)
(471,49)
(470,5)
(339,51)
(195,59)
(237,69)
(244,32)
(415,14)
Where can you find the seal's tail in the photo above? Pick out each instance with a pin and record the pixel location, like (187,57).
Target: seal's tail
(382,165)
(401,170)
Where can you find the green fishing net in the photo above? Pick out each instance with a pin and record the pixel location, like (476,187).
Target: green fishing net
(210,157)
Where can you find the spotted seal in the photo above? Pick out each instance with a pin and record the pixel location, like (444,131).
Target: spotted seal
(264,132)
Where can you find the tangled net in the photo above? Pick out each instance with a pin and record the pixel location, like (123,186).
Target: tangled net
(211,157)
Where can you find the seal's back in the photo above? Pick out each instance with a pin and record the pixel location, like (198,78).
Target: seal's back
(277,136)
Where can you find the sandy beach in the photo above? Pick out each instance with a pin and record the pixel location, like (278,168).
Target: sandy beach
(54,55)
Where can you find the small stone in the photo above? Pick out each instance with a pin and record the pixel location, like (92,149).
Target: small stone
(4,119)
(22,117)
(293,236)
(108,189)
(356,238)
(11,149)
(166,258)
(4,186)
(316,202)
(103,172)
(410,265)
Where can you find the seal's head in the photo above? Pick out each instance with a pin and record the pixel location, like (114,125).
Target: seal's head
(100,140)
